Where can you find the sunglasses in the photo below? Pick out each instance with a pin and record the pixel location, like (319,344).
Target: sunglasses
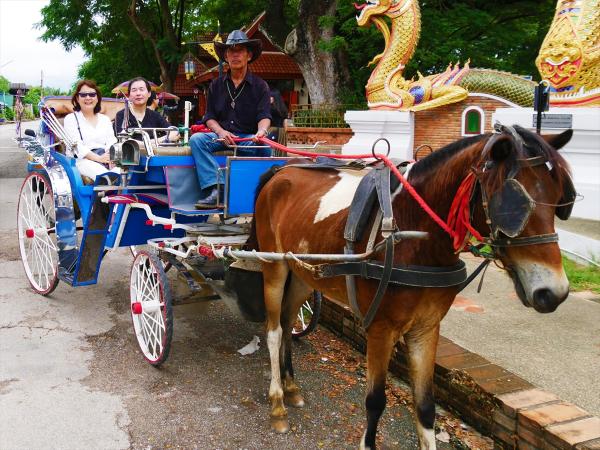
(87,94)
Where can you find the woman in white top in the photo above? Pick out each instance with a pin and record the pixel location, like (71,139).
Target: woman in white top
(91,130)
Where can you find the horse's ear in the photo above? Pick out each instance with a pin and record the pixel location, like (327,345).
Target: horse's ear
(501,148)
(558,141)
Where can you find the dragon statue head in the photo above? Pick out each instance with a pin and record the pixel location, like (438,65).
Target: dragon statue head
(569,58)
(375,8)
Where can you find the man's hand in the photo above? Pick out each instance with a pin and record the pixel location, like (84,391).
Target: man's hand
(262,132)
(227,136)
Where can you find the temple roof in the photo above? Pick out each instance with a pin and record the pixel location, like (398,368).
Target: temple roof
(272,64)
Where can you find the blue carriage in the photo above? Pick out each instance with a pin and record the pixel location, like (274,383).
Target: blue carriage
(67,224)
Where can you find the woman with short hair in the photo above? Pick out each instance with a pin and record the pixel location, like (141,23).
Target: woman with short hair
(90,130)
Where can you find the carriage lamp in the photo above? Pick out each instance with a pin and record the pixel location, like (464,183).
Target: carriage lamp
(126,153)
(189,66)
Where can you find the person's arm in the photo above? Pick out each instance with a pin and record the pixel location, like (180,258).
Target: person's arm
(263,128)
(172,136)
(227,136)
(70,125)
(263,116)
(211,116)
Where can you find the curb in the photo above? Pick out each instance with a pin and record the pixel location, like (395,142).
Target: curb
(495,401)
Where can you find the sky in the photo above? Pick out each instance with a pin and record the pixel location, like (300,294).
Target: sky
(23,56)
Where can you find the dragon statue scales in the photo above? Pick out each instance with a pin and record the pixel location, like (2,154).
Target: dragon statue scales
(388,89)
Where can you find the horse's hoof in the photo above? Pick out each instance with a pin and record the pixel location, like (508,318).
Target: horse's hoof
(280,424)
(294,399)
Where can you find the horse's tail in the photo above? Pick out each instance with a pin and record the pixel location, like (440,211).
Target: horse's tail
(252,242)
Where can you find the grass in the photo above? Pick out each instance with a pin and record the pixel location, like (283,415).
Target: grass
(582,278)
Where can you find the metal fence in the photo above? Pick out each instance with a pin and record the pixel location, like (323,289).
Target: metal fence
(321,116)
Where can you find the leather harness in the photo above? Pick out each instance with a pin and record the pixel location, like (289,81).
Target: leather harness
(378,186)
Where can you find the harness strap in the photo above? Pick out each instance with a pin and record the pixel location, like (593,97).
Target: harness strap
(380,177)
(417,276)
(521,241)
(351,284)
(476,272)
(383,281)
(385,201)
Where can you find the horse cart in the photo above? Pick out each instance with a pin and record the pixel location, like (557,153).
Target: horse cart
(67,224)
(345,233)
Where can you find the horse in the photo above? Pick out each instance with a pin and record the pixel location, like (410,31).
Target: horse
(305,211)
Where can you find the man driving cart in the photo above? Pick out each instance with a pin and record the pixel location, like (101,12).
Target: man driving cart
(238,106)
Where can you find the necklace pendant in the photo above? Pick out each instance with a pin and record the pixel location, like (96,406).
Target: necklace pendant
(233,104)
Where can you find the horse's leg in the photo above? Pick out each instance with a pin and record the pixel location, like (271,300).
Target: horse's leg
(380,343)
(422,344)
(275,275)
(295,295)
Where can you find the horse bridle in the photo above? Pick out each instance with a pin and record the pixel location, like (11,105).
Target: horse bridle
(514,195)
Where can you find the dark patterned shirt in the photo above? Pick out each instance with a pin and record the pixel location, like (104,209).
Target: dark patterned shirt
(252,103)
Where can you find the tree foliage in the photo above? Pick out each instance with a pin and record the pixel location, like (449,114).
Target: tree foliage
(122,38)
(497,35)
(4,84)
(506,37)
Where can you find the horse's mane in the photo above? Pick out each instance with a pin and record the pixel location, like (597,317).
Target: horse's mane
(534,145)
(438,157)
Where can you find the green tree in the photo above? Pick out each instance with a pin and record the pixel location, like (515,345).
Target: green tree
(503,38)
(4,84)
(123,38)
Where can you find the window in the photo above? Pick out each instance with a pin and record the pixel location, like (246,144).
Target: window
(473,119)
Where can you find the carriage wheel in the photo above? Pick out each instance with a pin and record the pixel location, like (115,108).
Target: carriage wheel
(308,316)
(151,307)
(36,225)
(135,249)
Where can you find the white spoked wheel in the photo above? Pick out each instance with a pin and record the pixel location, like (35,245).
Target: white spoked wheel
(151,307)
(135,249)
(308,316)
(36,225)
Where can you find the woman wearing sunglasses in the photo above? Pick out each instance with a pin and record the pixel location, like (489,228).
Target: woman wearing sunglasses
(91,130)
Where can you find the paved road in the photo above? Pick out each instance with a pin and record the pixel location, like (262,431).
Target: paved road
(71,376)
(12,158)
(559,352)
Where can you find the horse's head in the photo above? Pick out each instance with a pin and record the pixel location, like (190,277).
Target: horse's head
(525,183)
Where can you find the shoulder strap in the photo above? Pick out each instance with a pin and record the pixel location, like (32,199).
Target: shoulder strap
(78,127)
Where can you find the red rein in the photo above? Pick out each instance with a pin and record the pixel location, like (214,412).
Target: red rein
(458,223)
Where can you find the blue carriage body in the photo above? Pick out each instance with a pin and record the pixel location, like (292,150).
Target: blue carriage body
(174,178)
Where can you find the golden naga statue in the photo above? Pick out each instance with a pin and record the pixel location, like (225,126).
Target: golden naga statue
(388,89)
(569,58)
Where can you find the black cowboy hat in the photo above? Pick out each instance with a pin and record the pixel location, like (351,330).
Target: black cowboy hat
(238,37)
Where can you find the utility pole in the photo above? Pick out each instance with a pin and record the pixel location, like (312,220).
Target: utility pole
(41,84)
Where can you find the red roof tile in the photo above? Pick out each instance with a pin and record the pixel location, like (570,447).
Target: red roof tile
(270,65)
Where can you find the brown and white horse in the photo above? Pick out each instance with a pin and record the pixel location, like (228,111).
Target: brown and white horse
(305,211)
